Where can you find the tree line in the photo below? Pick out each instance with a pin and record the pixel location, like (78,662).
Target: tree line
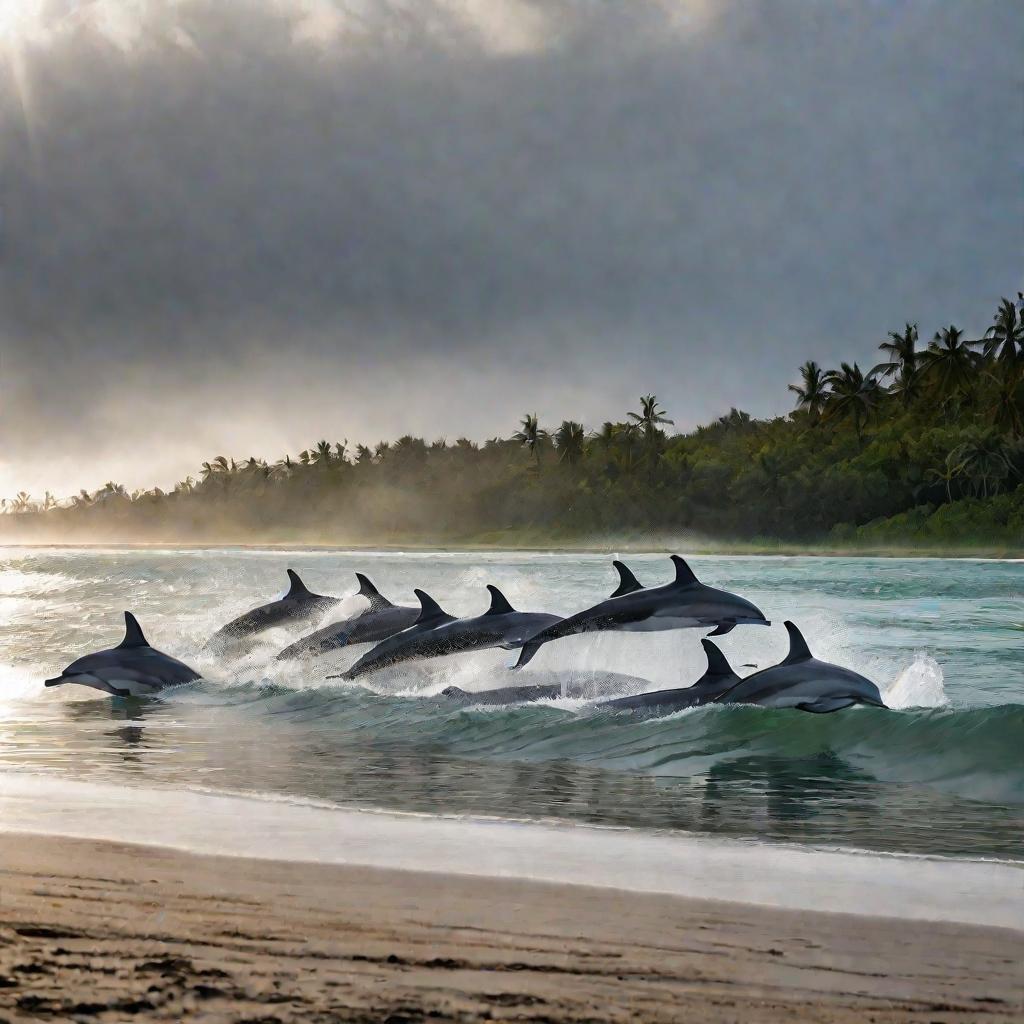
(926,445)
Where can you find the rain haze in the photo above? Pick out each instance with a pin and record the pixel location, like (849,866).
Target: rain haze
(237,228)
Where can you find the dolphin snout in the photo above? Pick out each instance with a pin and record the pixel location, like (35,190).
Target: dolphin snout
(56,681)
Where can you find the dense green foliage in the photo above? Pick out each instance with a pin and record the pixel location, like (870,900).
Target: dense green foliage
(927,446)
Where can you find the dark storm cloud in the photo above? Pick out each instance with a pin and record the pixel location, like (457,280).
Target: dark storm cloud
(690,198)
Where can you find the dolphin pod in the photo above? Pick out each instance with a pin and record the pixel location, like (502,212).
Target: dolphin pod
(132,669)
(402,633)
(437,634)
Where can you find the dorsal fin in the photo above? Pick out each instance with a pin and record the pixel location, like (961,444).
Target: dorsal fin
(499,603)
(628,583)
(684,574)
(371,593)
(718,664)
(798,649)
(298,588)
(429,608)
(133,635)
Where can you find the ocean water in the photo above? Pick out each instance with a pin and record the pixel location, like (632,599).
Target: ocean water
(939,775)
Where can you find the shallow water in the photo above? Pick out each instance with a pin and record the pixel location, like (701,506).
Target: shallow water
(941,774)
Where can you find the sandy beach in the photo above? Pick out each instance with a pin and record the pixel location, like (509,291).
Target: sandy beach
(108,931)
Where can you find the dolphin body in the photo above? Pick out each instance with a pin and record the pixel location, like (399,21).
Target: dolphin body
(802,681)
(684,603)
(717,680)
(576,686)
(437,634)
(132,669)
(299,605)
(377,622)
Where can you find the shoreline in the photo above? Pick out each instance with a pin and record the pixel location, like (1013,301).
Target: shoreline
(89,928)
(739,550)
(743,873)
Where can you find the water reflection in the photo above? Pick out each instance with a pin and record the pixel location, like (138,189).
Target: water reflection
(819,798)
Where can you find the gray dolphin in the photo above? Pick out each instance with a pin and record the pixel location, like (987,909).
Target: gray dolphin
(718,679)
(132,669)
(801,681)
(577,684)
(500,626)
(683,603)
(299,606)
(375,623)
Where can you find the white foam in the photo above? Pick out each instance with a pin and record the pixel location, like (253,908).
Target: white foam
(919,685)
(973,892)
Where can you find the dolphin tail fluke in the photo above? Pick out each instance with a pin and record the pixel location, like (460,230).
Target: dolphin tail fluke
(628,583)
(722,628)
(530,648)
(133,635)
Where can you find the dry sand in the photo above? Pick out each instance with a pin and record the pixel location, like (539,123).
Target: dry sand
(99,931)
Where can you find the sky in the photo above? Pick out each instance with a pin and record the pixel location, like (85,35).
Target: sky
(238,228)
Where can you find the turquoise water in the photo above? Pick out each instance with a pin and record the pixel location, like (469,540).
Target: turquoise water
(940,774)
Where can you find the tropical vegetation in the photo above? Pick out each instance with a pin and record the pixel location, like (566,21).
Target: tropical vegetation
(925,447)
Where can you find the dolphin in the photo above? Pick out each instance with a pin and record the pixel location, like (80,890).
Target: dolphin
(802,681)
(718,678)
(132,669)
(299,605)
(578,684)
(375,623)
(683,603)
(500,626)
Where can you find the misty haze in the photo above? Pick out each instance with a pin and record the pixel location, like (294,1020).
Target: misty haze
(512,510)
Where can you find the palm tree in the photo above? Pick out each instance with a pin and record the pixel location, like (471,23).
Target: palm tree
(570,439)
(985,461)
(341,451)
(23,502)
(952,469)
(902,352)
(321,453)
(851,394)
(627,435)
(811,393)
(531,435)
(364,455)
(949,365)
(606,436)
(1004,340)
(650,416)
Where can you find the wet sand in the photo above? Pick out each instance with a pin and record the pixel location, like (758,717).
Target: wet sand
(112,932)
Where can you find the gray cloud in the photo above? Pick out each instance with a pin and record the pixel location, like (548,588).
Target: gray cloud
(264,226)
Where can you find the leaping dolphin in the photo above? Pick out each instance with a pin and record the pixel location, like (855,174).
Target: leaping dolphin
(299,606)
(375,623)
(683,603)
(718,679)
(802,681)
(394,648)
(500,626)
(132,669)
